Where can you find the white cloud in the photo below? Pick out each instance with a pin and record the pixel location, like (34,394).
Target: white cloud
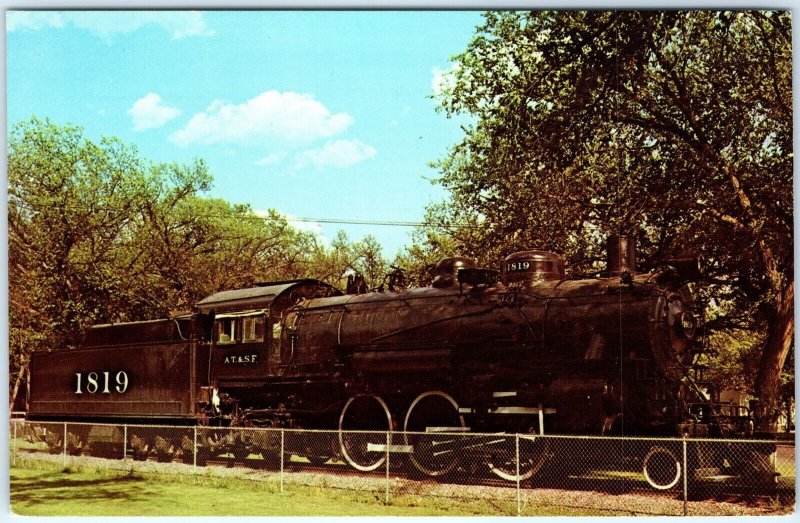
(443,79)
(149,112)
(269,117)
(403,113)
(338,153)
(32,20)
(299,224)
(271,158)
(179,24)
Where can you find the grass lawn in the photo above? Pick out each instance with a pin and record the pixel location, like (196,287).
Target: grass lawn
(43,489)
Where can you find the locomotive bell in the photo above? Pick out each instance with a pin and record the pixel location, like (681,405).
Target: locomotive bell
(529,267)
(621,254)
(447,270)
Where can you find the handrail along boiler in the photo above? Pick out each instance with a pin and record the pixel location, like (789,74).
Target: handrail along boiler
(522,350)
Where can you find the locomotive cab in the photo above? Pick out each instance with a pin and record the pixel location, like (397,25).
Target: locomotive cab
(246,341)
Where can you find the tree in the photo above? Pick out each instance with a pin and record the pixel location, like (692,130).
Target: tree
(674,126)
(448,231)
(194,246)
(73,205)
(98,234)
(333,263)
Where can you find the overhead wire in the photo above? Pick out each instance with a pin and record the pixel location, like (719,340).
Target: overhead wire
(251,215)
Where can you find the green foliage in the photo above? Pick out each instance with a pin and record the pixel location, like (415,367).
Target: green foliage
(333,264)
(74,208)
(97,234)
(675,127)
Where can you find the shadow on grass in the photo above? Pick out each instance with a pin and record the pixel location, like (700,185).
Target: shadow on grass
(48,487)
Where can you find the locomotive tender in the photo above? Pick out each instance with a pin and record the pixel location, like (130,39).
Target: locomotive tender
(520,351)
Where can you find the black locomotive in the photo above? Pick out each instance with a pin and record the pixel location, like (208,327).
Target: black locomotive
(517,351)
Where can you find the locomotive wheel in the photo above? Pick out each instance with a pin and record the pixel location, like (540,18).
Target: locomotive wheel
(661,468)
(361,417)
(267,443)
(319,447)
(187,449)
(432,411)
(533,454)
(317,461)
(241,442)
(240,453)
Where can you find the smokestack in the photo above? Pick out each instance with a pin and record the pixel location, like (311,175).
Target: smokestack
(621,254)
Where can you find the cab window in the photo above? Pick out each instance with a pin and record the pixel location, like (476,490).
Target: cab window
(253,329)
(225,331)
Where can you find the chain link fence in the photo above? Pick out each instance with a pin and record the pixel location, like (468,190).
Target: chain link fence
(516,474)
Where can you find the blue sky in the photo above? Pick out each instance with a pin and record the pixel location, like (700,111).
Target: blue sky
(314,114)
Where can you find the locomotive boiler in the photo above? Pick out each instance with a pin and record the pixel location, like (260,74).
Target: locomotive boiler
(522,350)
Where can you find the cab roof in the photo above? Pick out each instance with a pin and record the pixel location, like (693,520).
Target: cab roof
(262,296)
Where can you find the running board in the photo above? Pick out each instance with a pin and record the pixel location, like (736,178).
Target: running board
(501,394)
(510,410)
(447,429)
(399,449)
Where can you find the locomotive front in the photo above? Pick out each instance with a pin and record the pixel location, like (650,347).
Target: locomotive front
(614,352)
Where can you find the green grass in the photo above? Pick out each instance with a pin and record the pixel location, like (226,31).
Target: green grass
(42,489)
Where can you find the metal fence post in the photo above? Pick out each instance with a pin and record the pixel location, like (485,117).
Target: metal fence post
(65,445)
(519,494)
(388,442)
(125,444)
(281,460)
(685,481)
(194,452)
(14,445)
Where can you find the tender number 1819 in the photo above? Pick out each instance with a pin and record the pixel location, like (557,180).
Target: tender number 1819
(96,383)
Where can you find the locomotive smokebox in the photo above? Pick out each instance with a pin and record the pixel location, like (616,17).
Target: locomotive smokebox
(531,267)
(621,254)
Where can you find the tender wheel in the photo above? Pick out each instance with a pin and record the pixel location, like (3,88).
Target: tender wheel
(140,449)
(75,445)
(430,413)
(661,468)
(164,449)
(533,454)
(55,442)
(360,414)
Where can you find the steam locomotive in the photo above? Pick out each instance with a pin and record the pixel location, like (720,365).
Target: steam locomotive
(522,350)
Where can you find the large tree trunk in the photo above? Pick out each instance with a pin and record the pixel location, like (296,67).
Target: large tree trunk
(779,341)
